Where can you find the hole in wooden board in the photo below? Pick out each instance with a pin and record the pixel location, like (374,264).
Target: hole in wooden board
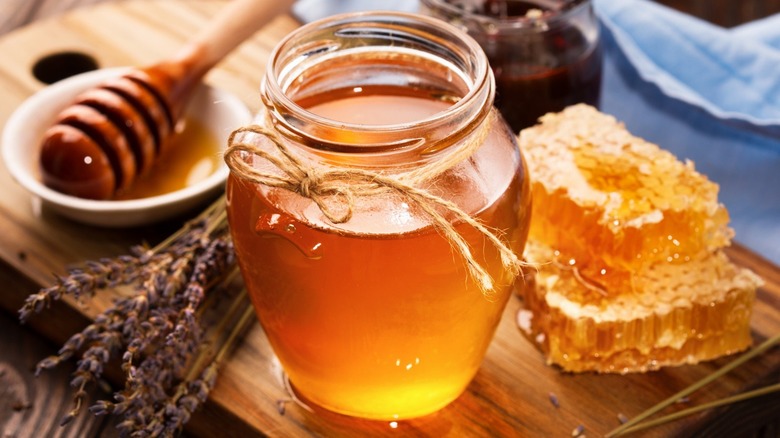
(61,65)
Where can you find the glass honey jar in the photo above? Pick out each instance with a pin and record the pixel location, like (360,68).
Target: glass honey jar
(545,54)
(366,295)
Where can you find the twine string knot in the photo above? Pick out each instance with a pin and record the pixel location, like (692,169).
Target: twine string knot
(310,180)
(334,189)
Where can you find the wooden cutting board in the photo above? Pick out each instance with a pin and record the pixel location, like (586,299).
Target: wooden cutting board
(508,397)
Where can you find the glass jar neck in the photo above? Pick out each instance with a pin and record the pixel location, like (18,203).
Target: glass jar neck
(395,53)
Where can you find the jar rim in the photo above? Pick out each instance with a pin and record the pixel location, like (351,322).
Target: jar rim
(479,76)
(565,9)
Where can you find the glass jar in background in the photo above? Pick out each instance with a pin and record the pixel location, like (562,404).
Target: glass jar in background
(377,316)
(546,54)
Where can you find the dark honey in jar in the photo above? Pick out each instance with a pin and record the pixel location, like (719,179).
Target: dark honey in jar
(377,316)
(545,54)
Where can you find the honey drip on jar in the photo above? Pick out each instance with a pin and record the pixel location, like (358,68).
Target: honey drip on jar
(384,322)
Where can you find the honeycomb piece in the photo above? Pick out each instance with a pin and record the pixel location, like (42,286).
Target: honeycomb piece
(612,204)
(678,313)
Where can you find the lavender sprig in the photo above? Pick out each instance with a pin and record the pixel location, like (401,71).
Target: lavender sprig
(156,332)
(80,282)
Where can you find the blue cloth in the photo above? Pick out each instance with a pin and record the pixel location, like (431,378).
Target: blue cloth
(728,74)
(705,93)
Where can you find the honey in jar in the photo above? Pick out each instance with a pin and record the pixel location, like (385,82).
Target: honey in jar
(546,54)
(377,316)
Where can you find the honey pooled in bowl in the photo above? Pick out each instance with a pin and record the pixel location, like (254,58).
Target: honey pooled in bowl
(627,243)
(191,155)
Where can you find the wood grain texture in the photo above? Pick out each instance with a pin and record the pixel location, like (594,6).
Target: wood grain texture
(17,13)
(510,395)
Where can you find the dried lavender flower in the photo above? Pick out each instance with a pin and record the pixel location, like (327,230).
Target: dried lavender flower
(82,282)
(554,400)
(156,332)
(281,406)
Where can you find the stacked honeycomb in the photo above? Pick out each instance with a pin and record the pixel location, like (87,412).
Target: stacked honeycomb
(627,242)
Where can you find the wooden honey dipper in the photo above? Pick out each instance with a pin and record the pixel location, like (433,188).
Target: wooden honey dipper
(114,132)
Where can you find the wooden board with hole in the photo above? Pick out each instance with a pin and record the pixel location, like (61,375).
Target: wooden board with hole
(511,394)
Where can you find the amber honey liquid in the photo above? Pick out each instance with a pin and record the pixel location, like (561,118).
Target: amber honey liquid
(378,319)
(191,155)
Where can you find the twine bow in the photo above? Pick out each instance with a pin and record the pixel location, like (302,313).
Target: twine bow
(334,190)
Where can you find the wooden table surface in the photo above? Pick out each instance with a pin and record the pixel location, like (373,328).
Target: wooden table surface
(509,396)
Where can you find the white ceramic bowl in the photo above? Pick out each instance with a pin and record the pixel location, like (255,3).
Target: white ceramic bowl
(217,110)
